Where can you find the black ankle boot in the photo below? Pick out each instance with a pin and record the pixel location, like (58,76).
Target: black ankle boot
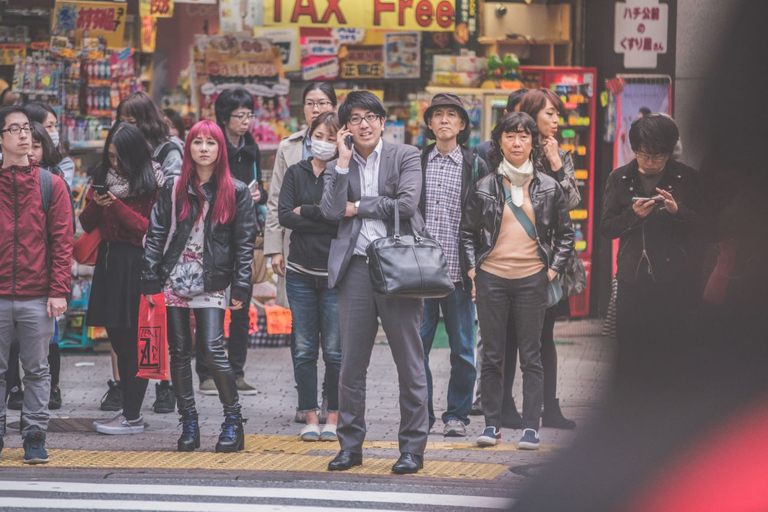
(190,432)
(552,417)
(232,437)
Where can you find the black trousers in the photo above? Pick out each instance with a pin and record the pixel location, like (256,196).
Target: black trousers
(209,339)
(237,346)
(125,344)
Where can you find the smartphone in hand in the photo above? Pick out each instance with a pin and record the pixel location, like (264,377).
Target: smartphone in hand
(100,189)
(348,141)
(659,200)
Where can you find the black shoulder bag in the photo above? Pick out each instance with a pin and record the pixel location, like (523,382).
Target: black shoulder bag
(408,266)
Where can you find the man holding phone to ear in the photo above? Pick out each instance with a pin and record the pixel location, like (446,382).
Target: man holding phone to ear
(653,206)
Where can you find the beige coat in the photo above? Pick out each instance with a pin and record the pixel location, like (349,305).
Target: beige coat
(277,239)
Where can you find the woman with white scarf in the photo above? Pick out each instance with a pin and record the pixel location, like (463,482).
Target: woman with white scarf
(119,203)
(511,270)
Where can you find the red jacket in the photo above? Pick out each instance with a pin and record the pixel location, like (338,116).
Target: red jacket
(35,252)
(125,220)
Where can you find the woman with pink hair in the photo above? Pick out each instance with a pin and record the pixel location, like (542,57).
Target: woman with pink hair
(198,254)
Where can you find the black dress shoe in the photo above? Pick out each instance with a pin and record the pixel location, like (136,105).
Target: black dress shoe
(408,463)
(345,460)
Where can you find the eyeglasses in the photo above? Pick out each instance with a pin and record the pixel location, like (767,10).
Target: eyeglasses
(16,129)
(243,116)
(319,104)
(370,118)
(652,158)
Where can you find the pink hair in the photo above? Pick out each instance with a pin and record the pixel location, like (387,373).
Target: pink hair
(224,208)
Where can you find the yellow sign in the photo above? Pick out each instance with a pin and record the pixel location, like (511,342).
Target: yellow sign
(90,19)
(10,53)
(156,8)
(148,34)
(423,15)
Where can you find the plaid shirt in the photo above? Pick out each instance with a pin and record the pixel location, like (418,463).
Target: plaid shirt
(443,207)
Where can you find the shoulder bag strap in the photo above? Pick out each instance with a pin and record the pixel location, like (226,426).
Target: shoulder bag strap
(520,215)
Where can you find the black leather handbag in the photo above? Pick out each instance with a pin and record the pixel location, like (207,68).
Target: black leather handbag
(408,266)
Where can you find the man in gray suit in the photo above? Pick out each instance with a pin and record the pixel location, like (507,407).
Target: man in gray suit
(360,190)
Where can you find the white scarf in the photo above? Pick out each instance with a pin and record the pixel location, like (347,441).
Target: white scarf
(119,185)
(517,177)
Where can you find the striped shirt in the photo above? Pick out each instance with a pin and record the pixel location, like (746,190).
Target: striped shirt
(372,229)
(443,207)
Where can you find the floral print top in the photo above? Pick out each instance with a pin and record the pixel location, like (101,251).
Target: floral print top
(185,287)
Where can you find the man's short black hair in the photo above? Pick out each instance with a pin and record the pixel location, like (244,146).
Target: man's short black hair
(654,134)
(229,101)
(6,111)
(514,98)
(364,100)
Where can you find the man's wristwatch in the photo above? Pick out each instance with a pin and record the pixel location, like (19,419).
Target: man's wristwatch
(357,206)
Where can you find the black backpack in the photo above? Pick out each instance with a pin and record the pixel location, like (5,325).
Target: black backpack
(46,192)
(163,154)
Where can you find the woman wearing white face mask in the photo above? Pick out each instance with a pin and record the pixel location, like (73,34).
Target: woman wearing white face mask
(314,306)
(45,115)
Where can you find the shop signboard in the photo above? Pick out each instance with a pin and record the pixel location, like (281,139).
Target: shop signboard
(156,8)
(363,62)
(200,2)
(402,55)
(641,32)
(148,34)
(287,40)
(90,19)
(11,53)
(421,15)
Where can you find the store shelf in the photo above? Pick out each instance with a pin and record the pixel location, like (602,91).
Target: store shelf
(86,145)
(543,52)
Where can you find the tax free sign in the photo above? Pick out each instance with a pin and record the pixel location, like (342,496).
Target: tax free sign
(424,15)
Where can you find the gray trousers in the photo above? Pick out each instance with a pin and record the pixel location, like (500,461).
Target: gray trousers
(359,311)
(27,321)
(509,309)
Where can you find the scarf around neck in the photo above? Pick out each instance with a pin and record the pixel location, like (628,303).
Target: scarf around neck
(517,177)
(121,187)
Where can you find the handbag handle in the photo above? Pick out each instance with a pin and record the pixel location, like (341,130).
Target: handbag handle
(397,220)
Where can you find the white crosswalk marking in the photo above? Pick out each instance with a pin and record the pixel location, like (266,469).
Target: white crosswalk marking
(317,495)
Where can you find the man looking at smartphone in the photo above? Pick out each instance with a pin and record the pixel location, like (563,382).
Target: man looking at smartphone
(653,206)
(35,264)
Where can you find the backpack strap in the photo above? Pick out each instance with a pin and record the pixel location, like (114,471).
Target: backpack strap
(164,151)
(46,188)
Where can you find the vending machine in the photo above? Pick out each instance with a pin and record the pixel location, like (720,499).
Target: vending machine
(576,87)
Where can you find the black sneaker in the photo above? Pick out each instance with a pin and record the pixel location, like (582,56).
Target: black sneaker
(165,401)
(15,399)
(55,401)
(34,447)
(113,398)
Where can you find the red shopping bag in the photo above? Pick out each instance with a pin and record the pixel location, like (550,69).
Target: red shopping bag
(153,339)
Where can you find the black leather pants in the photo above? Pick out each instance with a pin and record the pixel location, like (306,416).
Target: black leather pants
(210,336)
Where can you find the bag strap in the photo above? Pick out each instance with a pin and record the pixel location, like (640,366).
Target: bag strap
(163,154)
(520,215)
(46,188)
(173,216)
(474,170)
(255,172)
(397,219)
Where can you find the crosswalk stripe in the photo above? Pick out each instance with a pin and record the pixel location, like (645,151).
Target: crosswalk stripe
(158,506)
(263,492)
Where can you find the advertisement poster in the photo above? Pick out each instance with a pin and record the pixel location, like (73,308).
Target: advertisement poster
(402,55)
(148,34)
(230,20)
(90,20)
(363,62)
(633,101)
(224,62)
(287,40)
(156,8)
(11,53)
(319,57)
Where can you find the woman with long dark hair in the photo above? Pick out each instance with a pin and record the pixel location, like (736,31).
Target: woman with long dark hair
(199,245)
(511,268)
(45,115)
(314,305)
(119,203)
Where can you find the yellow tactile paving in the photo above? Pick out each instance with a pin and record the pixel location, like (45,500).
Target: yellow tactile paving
(247,461)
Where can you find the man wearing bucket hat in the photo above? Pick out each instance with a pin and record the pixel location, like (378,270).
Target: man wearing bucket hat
(450,170)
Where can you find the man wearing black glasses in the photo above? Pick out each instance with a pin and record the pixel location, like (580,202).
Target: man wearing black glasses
(653,206)
(35,263)
(360,190)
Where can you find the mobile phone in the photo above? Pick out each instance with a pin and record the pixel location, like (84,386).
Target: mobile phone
(100,189)
(658,201)
(253,186)
(349,141)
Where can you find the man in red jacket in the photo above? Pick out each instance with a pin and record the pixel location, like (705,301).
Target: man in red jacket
(35,262)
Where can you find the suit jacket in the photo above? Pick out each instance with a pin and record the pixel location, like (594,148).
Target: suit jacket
(399,178)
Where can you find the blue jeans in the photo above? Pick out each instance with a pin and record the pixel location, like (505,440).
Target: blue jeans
(459,316)
(315,322)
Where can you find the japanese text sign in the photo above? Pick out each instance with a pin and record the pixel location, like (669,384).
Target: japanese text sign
(363,62)
(641,32)
(156,8)
(422,15)
(90,19)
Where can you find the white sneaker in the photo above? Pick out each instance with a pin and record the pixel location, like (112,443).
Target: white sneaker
(120,425)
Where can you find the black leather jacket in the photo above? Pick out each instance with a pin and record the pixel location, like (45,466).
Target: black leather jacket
(481,224)
(666,240)
(468,180)
(228,248)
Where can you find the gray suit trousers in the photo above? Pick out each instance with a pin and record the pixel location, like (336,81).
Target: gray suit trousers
(359,310)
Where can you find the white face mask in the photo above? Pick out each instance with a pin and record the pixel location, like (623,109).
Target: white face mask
(322,150)
(54,137)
